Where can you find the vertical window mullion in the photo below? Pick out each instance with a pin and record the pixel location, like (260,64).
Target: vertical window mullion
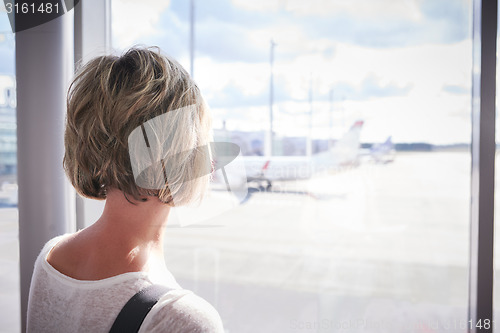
(483,166)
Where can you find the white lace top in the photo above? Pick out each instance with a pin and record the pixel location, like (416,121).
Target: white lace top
(59,303)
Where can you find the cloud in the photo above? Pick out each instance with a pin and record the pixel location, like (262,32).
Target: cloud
(228,42)
(134,20)
(408,9)
(222,32)
(7,54)
(384,23)
(172,37)
(392,33)
(397,64)
(222,10)
(233,95)
(356,73)
(370,88)
(456,89)
(235,30)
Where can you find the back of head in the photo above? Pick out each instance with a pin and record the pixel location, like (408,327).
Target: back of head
(113,95)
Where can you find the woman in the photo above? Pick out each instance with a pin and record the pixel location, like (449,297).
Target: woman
(82,281)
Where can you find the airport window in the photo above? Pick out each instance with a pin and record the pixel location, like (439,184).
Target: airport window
(357,213)
(9,262)
(348,207)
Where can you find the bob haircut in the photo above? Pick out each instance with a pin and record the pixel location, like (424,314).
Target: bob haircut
(111,96)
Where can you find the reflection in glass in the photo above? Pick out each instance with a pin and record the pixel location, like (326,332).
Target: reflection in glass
(375,243)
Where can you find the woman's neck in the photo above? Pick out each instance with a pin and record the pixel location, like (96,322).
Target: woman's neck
(126,238)
(132,230)
(138,224)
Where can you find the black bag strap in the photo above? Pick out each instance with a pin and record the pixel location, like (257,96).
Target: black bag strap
(137,308)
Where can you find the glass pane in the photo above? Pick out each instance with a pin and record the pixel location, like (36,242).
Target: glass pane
(9,241)
(359,218)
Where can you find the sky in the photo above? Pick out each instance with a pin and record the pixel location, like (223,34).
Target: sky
(403,67)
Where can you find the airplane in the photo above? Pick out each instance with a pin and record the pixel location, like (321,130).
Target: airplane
(263,170)
(383,152)
(380,153)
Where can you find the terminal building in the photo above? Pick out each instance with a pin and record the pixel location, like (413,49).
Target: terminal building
(8,139)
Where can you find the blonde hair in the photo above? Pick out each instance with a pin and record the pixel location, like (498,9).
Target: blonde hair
(113,95)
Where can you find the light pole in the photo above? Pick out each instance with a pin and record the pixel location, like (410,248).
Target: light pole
(309,130)
(271,100)
(191,37)
(330,133)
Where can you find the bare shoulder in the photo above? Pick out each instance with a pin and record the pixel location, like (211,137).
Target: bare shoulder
(60,255)
(182,314)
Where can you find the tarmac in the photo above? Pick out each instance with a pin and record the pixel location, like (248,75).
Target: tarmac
(373,248)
